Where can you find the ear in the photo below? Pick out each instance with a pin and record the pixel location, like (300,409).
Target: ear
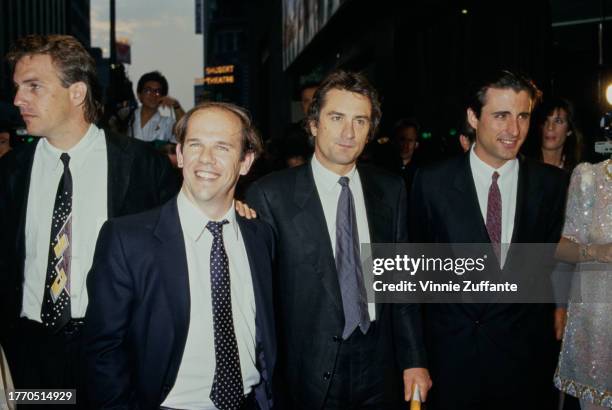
(78,93)
(245,164)
(313,128)
(472,118)
(179,155)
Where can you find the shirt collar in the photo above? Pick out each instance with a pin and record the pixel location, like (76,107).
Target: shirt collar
(194,221)
(482,168)
(78,153)
(326,179)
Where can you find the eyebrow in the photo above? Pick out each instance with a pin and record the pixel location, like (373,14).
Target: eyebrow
(344,115)
(28,80)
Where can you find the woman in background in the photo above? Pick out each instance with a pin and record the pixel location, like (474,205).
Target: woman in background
(560,139)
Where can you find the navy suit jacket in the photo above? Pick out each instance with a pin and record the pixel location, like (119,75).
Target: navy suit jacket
(499,351)
(139,308)
(310,314)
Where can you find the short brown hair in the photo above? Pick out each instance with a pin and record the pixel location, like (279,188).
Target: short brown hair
(347,81)
(72,61)
(251,142)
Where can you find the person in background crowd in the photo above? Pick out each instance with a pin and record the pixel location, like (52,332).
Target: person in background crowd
(55,194)
(120,101)
(5,138)
(406,137)
(491,356)
(147,123)
(202,333)
(561,140)
(338,351)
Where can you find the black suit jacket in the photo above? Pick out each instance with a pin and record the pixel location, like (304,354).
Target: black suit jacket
(138,179)
(487,353)
(139,308)
(310,314)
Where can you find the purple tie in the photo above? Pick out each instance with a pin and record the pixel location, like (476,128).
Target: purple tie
(494,209)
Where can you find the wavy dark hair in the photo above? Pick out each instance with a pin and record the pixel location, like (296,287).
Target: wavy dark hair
(348,81)
(573,146)
(73,63)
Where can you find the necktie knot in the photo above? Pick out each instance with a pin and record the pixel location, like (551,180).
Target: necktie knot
(65,159)
(344,181)
(216,228)
(495,177)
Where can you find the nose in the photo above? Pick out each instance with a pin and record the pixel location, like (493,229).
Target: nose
(207,156)
(513,127)
(348,131)
(19,99)
(549,125)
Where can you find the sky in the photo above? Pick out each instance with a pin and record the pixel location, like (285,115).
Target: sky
(162,36)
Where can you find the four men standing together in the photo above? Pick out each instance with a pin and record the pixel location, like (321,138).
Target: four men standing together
(179,299)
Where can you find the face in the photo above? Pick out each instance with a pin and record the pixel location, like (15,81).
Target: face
(5,146)
(210,158)
(47,108)
(151,94)
(407,140)
(555,130)
(307,95)
(502,126)
(342,130)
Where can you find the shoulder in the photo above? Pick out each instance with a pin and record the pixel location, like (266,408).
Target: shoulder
(140,151)
(18,156)
(133,226)
(261,230)
(378,174)
(283,180)
(544,172)
(444,170)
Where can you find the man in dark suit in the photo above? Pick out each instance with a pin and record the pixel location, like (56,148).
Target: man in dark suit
(180,313)
(338,351)
(491,356)
(54,195)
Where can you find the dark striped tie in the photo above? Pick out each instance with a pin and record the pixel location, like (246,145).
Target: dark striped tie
(348,265)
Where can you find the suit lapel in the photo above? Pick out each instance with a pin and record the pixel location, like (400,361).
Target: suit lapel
(263,293)
(378,210)
(120,159)
(467,203)
(21,178)
(379,213)
(172,262)
(310,224)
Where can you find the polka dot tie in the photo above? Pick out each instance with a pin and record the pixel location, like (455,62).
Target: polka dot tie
(227,391)
(55,311)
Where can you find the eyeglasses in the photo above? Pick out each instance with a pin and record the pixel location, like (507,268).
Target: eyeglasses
(155,91)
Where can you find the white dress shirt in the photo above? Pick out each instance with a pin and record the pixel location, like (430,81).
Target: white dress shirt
(329,190)
(197,369)
(88,167)
(508,183)
(158,128)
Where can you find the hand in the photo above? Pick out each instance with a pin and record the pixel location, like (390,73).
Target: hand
(245,211)
(602,253)
(419,376)
(560,321)
(170,102)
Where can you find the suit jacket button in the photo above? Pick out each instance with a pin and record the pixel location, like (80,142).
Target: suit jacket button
(337,339)
(326,375)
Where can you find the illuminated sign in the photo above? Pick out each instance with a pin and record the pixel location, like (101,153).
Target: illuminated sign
(220,69)
(217,75)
